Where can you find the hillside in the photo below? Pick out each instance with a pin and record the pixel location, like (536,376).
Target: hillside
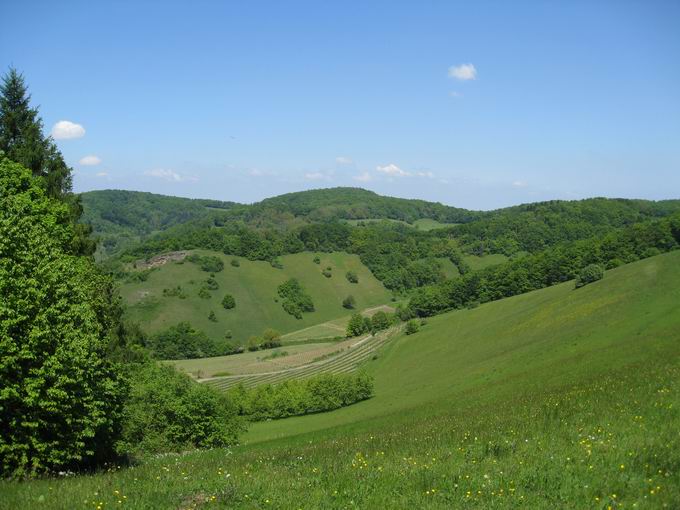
(254,286)
(120,217)
(558,398)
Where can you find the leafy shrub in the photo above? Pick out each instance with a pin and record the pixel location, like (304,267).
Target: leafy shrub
(589,274)
(204,293)
(380,321)
(182,341)
(60,396)
(349,302)
(212,317)
(352,277)
(295,299)
(327,273)
(167,411)
(208,263)
(254,343)
(235,262)
(276,263)
(228,301)
(356,325)
(175,292)
(270,339)
(211,284)
(324,392)
(317,260)
(412,327)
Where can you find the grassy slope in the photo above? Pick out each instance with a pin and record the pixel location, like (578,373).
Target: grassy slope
(546,338)
(555,399)
(253,284)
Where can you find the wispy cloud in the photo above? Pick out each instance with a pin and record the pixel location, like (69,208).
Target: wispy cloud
(519,184)
(365,177)
(169,175)
(317,176)
(427,174)
(90,160)
(392,170)
(66,130)
(102,174)
(341,160)
(463,72)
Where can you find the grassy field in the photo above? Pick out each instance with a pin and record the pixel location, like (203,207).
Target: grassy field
(253,285)
(477,263)
(558,398)
(421,224)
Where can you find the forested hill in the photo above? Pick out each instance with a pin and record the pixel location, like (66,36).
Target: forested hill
(357,203)
(119,217)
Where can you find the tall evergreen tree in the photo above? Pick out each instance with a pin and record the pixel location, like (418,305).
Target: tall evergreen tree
(22,140)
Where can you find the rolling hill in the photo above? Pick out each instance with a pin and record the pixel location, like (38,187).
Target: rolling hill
(254,286)
(558,398)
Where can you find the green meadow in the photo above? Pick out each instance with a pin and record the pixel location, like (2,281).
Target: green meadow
(559,398)
(254,286)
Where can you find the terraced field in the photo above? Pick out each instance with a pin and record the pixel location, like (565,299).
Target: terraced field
(346,361)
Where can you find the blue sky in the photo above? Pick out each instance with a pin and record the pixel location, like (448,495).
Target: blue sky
(477,104)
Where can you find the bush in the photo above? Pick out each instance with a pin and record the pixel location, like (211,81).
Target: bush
(60,396)
(317,260)
(211,284)
(254,343)
(276,263)
(356,325)
(228,301)
(235,263)
(352,277)
(349,302)
(589,274)
(175,292)
(295,299)
(298,397)
(380,321)
(208,263)
(212,317)
(412,327)
(167,411)
(327,273)
(181,341)
(271,338)
(204,293)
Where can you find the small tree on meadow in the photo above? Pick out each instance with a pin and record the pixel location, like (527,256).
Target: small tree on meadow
(228,301)
(589,274)
(254,343)
(356,325)
(412,327)
(271,338)
(352,277)
(349,302)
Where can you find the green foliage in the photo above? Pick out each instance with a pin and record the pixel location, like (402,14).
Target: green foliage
(254,343)
(298,397)
(352,277)
(228,302)
(270,338)
(412,327)
(168,412)
(327,273)
(589,274)
(235,263)
(208,263)
(317,259)
(204,293)
(211,283)
(60,397)
(379,321)
(357,325)
(182,341)
(212,317)
(349,302)
(295,299)
(175,292)
(549,267)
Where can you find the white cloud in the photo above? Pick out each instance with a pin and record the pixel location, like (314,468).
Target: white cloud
(90,160)
(168,175)
(453,93)
(317,176)
(341,160)
(365,177)
(463,72)
(392,170)
(519,184)
(429,175)
(66,130)
(102,174)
